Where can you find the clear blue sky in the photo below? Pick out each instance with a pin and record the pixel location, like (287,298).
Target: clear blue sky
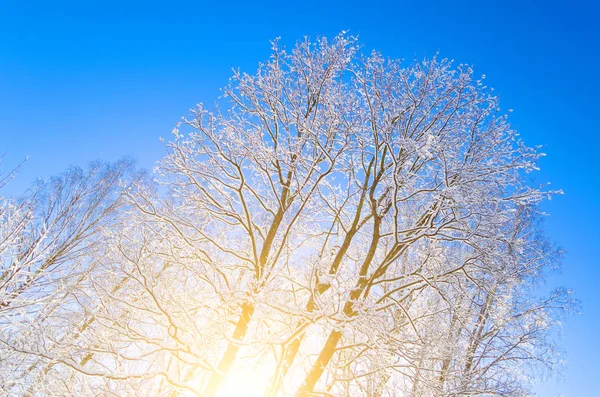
(100,79)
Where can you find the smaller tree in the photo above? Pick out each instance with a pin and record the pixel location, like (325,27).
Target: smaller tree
(50,241)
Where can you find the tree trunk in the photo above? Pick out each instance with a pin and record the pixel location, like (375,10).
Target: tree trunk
(216,379)
(322,361)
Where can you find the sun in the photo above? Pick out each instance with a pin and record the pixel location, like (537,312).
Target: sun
(245,382)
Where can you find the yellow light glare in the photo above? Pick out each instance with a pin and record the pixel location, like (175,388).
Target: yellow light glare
(249,382)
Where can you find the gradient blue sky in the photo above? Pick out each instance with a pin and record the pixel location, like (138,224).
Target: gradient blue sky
(84,80)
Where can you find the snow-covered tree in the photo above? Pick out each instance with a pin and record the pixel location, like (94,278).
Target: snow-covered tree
(50,242)
(339,224)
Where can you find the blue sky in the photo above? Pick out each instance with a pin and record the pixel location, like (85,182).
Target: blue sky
(102,79)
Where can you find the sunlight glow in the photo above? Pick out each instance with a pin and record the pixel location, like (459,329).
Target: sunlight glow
(246,382)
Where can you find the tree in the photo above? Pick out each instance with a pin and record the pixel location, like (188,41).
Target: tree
(340,224)
(50,241)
